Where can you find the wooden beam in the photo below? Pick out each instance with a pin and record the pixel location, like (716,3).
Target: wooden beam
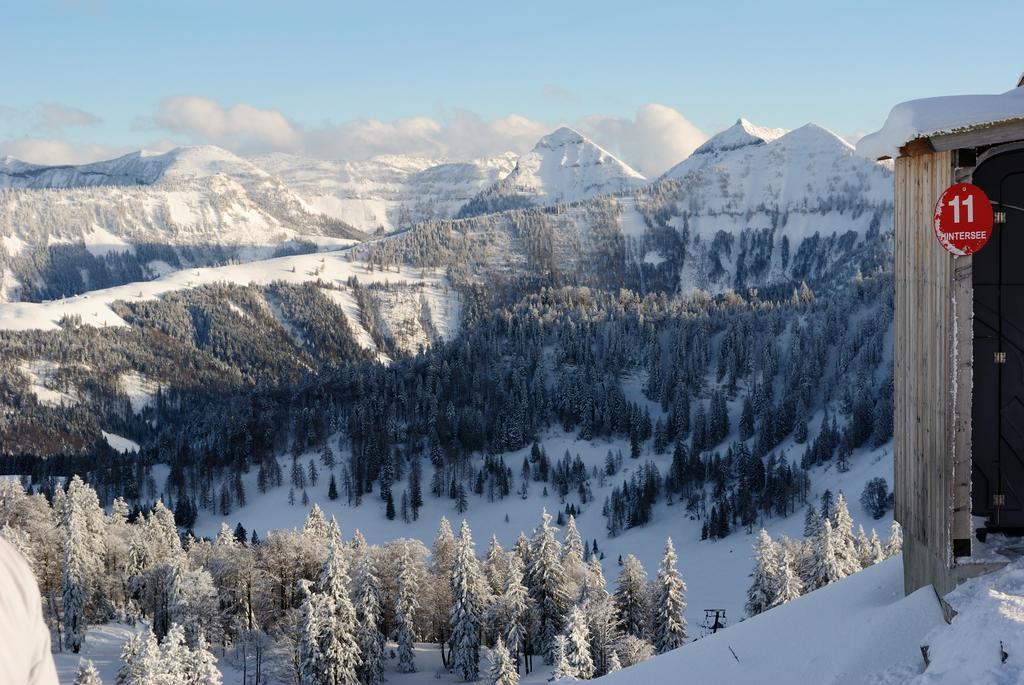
(918,146)
(988,134)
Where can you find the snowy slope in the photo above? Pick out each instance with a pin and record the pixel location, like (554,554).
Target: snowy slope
(408,298)
(563,166)
(989,619)
(389,192)
(746,168)
(201,195)
(859,630)
(208,205)
(741,134)
(716,571)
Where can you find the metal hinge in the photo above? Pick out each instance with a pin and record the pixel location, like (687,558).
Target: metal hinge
(1000,357)
(998,500)
(999,218)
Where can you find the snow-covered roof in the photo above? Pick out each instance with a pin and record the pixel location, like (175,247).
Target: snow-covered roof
(941,115)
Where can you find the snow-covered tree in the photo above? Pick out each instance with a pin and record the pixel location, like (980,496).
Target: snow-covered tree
(495,566)
(572,548)
(787,583)
(140,660)
(316,526)
(181,665)
(87,674)
(467,608)
(845,542)
(366,595)
(514,606)
(503,670)
(563,669)
(83,524)
(669,604)
(576,651)
(193,603)
(875,552)
(406,604)
(763,580)
(631,597)
(546,581)
(894,545)
(340,648)
(316,616)
(202,665)
(823,566)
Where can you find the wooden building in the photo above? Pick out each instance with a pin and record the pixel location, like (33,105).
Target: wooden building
(959,339)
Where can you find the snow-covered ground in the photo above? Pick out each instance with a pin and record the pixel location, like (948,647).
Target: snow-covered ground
(716,571)
(859,630)
(388,191)
(333,268)
(103,646)
(988,623)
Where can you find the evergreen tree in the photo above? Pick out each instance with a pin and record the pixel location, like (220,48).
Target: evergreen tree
(631,599)
(503,670)
(467,608)
(406,604)
(366,595)
(669,603)
(563,670)
(515,603)
(140,660)
(845,542)
(894,545)
(82,522)
(788,585)
(763,585)
(87,674)
(576,651)
(548,586)
(338,641)
(824,566)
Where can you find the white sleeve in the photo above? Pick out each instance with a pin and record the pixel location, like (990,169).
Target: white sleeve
(24,637)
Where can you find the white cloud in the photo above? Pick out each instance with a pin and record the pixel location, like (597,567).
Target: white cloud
(461,135)
(652,142)
(56,151)
(53,116)
(241,127)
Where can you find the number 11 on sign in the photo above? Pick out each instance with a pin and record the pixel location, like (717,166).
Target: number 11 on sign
(968,203)
(963,219)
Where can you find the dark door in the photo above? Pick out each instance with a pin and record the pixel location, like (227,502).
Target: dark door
(997,487)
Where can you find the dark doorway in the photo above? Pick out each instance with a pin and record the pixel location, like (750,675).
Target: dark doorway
(997,473)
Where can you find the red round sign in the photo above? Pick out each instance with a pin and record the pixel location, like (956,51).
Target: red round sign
(963,219)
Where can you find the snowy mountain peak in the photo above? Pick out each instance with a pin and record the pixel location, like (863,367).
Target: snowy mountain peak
(560,137)
(740,134)
(133,169)
(812,135)
(564,166)
(576,150)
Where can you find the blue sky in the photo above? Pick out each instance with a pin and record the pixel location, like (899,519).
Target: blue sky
(84,78)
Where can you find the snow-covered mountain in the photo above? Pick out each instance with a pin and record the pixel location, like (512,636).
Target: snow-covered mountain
(758,205)
(143,214)
(563,166)
(741,134)
(752,207)
(747,167)
(386,192)
(136,168)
